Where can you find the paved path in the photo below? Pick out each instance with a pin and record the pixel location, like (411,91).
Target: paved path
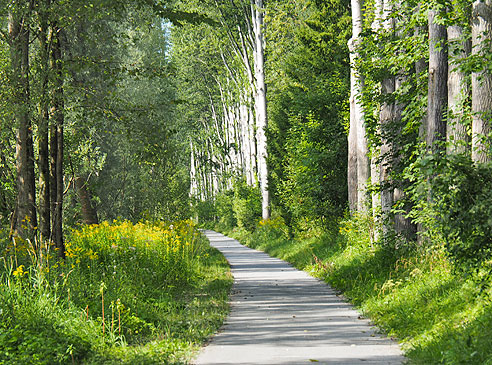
(280,315)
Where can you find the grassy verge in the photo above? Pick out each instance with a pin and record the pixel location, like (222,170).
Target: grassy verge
(134,294)
(413,294)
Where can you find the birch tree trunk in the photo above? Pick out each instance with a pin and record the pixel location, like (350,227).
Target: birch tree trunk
(18,29)
(356,84)
(352,150)
(261,105)
(458,90)
(438,88)
(481,81)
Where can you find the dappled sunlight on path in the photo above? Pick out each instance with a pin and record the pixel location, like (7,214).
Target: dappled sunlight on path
(280,315)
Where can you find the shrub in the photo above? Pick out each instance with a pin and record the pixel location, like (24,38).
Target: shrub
(453,202)
(246,205)
(225,212)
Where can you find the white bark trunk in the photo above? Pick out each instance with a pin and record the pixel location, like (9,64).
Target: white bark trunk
(352,146)
(261,106)
(363,163)
(481,81)
(458,90)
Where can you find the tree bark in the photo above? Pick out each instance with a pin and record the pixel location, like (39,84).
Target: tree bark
(261,106)
(352,151)
(43,129)
(458,90)
(89,213)
(56,144)
(19,54)
(481,81)
(363,163)
(438,89)
(386,116)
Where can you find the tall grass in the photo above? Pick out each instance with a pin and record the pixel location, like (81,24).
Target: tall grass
(412,292)
(126,293)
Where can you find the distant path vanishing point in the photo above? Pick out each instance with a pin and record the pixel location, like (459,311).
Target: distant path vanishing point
(280,315)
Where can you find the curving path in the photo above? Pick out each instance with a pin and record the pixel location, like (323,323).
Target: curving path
(280,315)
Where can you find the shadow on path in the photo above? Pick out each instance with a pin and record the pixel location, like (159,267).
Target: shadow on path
(280,315)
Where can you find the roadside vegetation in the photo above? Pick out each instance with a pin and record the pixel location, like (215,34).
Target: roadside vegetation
(414,293)
(145,293)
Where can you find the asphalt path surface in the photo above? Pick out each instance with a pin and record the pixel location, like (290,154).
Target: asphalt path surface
(280,315)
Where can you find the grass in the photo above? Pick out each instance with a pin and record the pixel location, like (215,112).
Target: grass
(412,293)
(125,294)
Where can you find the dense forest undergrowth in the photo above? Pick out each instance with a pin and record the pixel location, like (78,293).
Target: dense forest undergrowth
(413,293)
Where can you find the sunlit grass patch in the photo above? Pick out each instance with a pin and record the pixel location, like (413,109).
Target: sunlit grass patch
(126,293)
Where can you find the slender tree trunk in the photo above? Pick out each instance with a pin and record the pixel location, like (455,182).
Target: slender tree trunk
(458,90)
(19,53)
(438,89)
(363,163)
(352,152)
(261,105)
(421,66)
(481,81)
(43,130)
(386,117)
(57,111)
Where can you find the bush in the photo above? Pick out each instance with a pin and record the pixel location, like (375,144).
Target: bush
(204,211)
(453,199)
(246,205)
(225,212)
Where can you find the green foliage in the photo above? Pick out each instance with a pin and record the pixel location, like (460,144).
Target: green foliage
(308,77)
(311,190)
(204,211)
(246,205)
(452,199)
(224,203)
(125,294)
(127,141)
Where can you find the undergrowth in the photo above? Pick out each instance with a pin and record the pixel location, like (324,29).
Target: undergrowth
(412,292)
(137,294)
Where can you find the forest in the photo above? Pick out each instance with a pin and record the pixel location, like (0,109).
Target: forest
(349,138)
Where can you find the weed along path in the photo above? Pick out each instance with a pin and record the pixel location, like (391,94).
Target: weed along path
(280,315)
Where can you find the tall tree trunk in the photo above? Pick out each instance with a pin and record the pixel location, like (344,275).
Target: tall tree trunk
(18,26)
(438,88)
(352,152)
(57,111)
(386,120)
(43,126)
(458,90)
(363,163)
(386,116)
(481,81)
(261,106)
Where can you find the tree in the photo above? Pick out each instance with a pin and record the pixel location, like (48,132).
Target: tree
(18,26)
(357,132)
(481,81)
(458,88)
(261,104)
(437,89)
